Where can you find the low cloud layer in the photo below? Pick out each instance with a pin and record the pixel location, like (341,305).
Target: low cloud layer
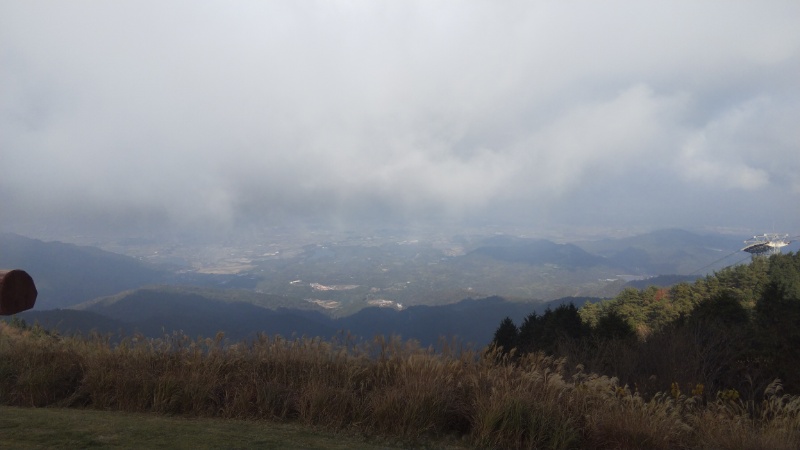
(621,114)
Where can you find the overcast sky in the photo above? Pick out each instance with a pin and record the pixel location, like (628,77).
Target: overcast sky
(183,114)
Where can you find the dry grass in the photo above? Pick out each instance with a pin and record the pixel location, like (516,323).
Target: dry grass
(386,387)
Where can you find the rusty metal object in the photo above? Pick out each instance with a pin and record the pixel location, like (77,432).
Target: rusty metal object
(17,292)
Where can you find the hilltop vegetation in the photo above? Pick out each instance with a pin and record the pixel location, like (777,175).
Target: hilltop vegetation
(734,331)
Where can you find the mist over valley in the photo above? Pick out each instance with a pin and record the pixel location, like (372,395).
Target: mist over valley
(422,288)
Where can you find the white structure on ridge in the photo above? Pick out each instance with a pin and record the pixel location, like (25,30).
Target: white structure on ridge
(766,244)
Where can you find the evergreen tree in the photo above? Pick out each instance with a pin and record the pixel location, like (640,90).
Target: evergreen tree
(613,326)
(506,336)
(530,332)
(545,332)
(778,319)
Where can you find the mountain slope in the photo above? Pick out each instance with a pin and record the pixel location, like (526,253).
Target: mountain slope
(154,311)
(67,274)
(470,320)
(538,251)
(669,251)
(203,311)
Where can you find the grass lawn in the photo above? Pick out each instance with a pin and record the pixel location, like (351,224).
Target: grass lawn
(75,428)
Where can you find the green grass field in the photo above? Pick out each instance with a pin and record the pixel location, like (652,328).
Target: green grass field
(22,428)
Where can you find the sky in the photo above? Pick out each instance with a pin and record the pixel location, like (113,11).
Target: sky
(144,115)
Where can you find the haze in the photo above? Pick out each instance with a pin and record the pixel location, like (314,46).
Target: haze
(138,116)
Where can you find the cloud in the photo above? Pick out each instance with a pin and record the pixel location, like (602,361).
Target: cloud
(209,113)
(745,148)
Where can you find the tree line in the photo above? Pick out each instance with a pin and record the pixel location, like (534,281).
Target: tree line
(734,331)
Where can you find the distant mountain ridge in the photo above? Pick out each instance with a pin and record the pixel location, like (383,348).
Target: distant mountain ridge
(269,301)
(202,312)
(523,269)
(660,252)
(664,252)
(538,251)
(67,274)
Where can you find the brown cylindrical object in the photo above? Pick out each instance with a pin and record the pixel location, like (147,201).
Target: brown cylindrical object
(17,292)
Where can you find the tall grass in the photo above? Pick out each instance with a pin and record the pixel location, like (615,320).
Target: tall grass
(383,387)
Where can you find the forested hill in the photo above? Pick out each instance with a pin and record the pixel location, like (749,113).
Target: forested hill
(736,330)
